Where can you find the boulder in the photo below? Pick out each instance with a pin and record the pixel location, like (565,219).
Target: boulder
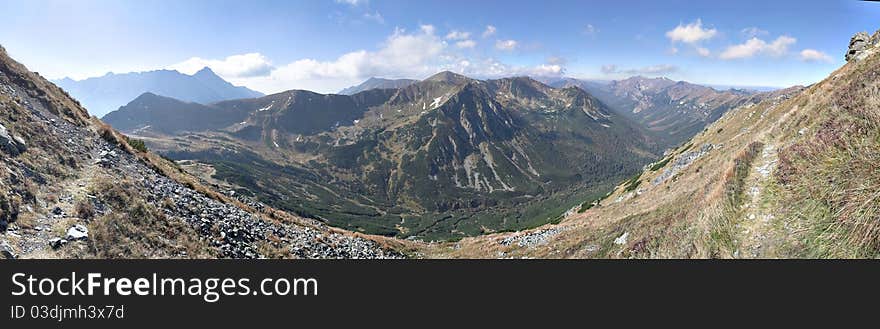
(861,45)
(77,232)
(9,144)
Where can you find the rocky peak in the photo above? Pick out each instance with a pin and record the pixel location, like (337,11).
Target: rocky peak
(861,45)
(449,77)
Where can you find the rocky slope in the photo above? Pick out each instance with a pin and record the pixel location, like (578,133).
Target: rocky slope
(73,187)
(795,175)
(107,93)
(442,158)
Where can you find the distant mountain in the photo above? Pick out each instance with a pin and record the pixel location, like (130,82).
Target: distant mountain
(445,157)
(673,110)
(100,95)
(377,83)
(168,115)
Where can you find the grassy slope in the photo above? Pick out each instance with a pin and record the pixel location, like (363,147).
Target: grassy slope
(791,177)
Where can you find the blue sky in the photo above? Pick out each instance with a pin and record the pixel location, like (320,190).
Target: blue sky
(324,46)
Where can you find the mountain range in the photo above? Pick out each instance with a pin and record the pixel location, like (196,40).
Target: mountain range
(445,157)
(101,95)
(442,158)
(377,83)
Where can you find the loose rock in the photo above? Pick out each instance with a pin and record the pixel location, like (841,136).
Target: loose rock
(77,232)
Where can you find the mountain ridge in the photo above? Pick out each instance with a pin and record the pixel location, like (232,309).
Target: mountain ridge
(107,93)
(486,144)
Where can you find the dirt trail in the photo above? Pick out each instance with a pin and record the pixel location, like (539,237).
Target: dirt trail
(48,222)
(757,227)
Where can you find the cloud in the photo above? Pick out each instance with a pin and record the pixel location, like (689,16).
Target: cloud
(427,28)
(458,35)
(376,17)
(466,44)
(490,31)
(691,33)
(403,54)
(751,32)
(755,46)
(653,70)
(590,30)
(506,44)
(492,68)
(703,52)
(236,66)
(812,55)
(352,2)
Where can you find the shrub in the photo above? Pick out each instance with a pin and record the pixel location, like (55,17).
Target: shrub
(137,144)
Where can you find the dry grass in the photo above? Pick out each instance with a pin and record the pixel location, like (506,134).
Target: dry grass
(135,229)
(832,177)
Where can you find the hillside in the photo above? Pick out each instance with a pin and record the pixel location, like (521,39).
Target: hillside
(442,158)
(101,95)
(377,83)
(793,176)
(74,188)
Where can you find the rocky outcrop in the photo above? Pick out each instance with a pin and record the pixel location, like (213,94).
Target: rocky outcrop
(13,145)
(680,163)
(861,45)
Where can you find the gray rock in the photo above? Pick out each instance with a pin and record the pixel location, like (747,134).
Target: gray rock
(857,44)
(12,145)
(77,232)
(56,243)
(861,45)
(7,251)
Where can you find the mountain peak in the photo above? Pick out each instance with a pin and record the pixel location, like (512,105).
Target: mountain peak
(449,77)
(205,71)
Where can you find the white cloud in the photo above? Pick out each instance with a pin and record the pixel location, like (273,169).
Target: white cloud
(458,35)
(375,16)
(590,30)
(490,31)
(466,44)
(812,55)
(755,46)
(751,32)
(427,28)
(492,68)
(691,33)
(703,52)
(506,44)
(236,66)
(404,54)
(352,2)
(653,70)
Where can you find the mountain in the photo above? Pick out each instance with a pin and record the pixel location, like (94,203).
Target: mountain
(673,110)
(107,93)
(377,83)
(442,158)
(72,187)
(793,176)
